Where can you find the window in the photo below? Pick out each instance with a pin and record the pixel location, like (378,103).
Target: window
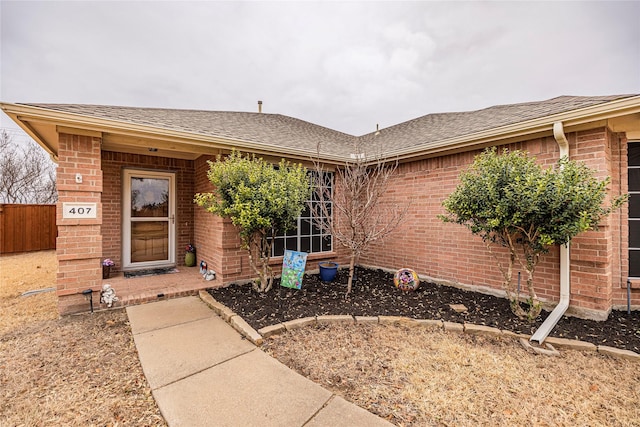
(305,236)
(634,209)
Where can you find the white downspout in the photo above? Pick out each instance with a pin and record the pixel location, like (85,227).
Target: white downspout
(565,270)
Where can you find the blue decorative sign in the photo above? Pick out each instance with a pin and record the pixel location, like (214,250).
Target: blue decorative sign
(293,266)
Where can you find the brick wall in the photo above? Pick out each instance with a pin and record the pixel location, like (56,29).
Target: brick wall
(450,253)
(208,232)
(79,242)
(113,165)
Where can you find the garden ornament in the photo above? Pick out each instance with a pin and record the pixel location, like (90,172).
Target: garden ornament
(206,273)
(406,280)
(108,295)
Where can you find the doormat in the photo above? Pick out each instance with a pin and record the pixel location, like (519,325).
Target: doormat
(149,272)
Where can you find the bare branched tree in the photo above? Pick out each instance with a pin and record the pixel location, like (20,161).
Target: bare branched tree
(351,209)
(27,175)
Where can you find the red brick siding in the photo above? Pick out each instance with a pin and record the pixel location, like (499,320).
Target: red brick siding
(208,232)
(449,252)
(113,165)
(79,242)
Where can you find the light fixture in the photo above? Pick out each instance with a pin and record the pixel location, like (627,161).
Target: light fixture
(153,149)
(88,294)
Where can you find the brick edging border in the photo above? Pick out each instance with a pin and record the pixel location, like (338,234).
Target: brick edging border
(257,337)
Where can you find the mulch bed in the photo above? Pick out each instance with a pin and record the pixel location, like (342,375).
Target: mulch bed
(375,295)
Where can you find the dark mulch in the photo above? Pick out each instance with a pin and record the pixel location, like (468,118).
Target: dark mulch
(375,295)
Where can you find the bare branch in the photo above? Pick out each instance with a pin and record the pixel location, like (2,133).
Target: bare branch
(357,217)
(27,175)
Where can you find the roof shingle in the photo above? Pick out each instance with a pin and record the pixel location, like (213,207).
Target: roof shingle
(287,133)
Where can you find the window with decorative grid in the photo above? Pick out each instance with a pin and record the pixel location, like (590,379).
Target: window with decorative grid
(306,236)
(634,209)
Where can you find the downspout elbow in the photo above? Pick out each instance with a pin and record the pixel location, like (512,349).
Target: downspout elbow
(565,260)
(561,139)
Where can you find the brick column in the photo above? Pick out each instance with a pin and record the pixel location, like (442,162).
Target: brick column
(593,252)
(79,243)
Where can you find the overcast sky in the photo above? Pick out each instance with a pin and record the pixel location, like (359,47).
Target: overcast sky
(346,66)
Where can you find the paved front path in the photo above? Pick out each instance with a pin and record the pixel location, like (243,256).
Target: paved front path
(203,373)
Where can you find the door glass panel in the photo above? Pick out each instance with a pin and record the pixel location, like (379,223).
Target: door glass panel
(149,241)
(149,197)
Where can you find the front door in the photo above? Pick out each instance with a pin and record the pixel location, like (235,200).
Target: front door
(148,219)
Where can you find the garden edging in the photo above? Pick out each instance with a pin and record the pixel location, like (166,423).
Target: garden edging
(257,337)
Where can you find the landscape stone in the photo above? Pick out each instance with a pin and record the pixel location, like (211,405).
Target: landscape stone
(268,331)
(571,344)
(453,327)
(329,319)
(430,323)
(458,308)
(366,319)
(470,328)
(396,320)
(299,323)
(220,309)
(240,325)
(512,334)
(617,352)
(547,350)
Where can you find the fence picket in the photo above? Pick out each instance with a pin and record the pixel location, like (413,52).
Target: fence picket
(27,228)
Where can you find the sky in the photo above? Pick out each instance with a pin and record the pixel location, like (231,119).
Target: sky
(345,65)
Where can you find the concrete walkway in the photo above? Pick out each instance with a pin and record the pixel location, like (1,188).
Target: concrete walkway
(203,373)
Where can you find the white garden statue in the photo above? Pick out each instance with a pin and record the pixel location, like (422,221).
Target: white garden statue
(108,295)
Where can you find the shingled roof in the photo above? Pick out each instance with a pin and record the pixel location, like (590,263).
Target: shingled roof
(432,129)
(287,133)
(260,128)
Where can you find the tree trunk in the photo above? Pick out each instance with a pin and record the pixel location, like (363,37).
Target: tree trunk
(535,307)
(352,263)
(263,271)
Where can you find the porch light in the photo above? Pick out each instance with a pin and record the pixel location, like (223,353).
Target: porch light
(88,294)
(153,149)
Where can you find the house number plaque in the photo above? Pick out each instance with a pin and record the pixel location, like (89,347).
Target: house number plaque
(79,210)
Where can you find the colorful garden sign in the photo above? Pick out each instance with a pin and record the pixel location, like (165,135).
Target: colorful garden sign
(293,266)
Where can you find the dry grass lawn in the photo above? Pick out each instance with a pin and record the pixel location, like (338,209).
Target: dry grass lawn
(21,273)
(76,371)
(417,376)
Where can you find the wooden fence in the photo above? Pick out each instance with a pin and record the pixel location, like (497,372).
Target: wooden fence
(26,228)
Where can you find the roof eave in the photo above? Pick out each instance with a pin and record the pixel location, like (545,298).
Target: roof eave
(22,114)
(526,129)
